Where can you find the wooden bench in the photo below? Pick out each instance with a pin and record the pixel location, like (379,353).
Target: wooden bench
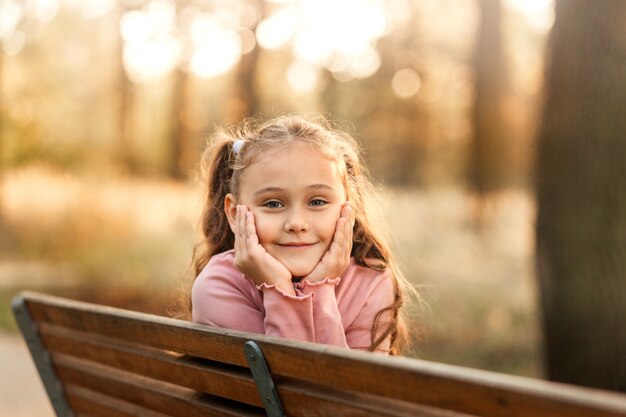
(102,361)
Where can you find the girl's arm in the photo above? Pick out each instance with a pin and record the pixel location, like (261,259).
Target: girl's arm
(222,296)
(365,293)
(381,296)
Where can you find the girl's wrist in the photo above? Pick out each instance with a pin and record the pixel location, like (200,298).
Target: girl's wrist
(284,284)
(287,288)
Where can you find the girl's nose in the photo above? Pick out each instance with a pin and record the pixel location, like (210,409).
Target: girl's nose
(296,222)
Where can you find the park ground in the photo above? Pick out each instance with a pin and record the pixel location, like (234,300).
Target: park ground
(21,391)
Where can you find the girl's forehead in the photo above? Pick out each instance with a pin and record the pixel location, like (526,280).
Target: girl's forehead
(296,149)
(292,163)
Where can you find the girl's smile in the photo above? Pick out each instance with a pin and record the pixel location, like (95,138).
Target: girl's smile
(296,195)
(296,245)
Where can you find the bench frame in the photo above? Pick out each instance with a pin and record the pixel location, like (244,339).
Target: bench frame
(435,389)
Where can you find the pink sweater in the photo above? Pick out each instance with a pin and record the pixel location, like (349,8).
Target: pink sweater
(337,311)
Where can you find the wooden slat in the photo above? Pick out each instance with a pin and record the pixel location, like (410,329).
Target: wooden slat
(210,377)
(91,403)
(443,386)
(225,381)
(154,395)
(300,400)
(221,345)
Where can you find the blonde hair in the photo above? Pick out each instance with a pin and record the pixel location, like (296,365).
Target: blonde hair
(223,167)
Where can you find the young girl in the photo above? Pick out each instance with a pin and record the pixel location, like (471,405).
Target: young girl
(289,246)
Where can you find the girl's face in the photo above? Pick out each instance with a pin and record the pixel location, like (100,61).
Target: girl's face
(296,195)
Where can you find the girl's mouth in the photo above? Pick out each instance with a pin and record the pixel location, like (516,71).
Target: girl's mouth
(296,245)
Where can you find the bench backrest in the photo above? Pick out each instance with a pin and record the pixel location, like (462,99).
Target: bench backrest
(102,361)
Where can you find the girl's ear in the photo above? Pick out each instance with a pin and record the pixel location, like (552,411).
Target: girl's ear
(230,209)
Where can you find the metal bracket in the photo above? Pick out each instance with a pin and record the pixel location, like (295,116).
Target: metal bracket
(42,359)
(263,379)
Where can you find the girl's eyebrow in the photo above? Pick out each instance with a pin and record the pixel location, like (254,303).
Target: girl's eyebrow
(278,189)
(267,190)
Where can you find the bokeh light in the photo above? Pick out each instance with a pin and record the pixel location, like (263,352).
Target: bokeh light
(538,13)
(302,76)
(339,36)
(217,46)
(151,50)
(406,83)
(10,14)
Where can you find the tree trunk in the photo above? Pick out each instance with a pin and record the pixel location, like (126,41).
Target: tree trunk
(581,191)
(125,154)
(246,90)
(488,148)
(2,116)
(246,101)
(180,136)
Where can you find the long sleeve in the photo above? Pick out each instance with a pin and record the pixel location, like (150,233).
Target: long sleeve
(222,296)
(337,312)
(327,320)
(218,299)
(312,315)
(359,333)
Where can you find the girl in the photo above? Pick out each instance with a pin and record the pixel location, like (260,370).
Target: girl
(289,246)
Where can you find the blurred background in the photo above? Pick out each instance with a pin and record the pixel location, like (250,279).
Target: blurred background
(105,107)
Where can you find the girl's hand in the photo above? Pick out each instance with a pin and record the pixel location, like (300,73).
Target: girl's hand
(252,259)
(336,259)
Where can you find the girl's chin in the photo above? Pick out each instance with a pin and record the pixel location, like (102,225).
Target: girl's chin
(300,269)
(299,273)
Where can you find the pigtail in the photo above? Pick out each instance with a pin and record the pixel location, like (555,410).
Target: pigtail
(214,224)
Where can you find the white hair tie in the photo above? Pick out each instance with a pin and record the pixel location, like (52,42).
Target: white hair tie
(237,145)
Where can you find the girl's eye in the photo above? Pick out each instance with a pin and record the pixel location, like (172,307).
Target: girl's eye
(317,202)
(273,204)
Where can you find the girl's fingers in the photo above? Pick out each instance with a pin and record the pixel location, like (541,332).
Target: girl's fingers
(339,238)
(345,210)
(347,244)
(348,225)
(237,231)
(241,222)
(251,236)
(239,240)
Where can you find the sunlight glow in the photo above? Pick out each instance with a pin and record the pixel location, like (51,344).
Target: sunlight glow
(14,43)
(302,77)
(538,13)
(91,9)
(216,56)
(339,36)
(157,40)
(217,47)
(152,59)
(10,15)
(276,30)
(46,10)
(151,50)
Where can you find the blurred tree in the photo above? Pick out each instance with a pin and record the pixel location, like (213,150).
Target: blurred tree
(394,126)
(246,92)
(488,149)
(581,190)
(180,154)
(125,156)
(2,225)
